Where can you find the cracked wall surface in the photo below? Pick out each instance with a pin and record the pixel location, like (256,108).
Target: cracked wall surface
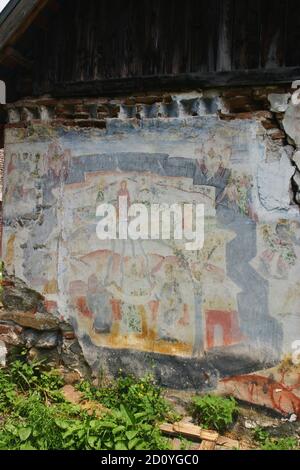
(220,317)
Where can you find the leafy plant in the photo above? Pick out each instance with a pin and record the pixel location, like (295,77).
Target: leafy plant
(119,430)
(282,443)
(33,425)
(141,396)
(274,443)
(214,412)
(31,376)
(260,434)
(36,415)
(8,393)
(38,426)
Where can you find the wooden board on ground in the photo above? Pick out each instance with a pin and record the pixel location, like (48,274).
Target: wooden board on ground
(189,431)
(207,445)
(210,440)
(228,442)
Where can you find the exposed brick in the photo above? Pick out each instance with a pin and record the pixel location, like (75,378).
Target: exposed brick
(102,108)
(82,115)
(100,124)
(236,92)
(263,114)
(148,99)
(129,101)
(108,111)
(240,104)
(102,116)
(230,117)
(167,99)
(47,102)
(72,101)
(16,125)
(62,111)
(96,101)
(277,134)
(62,122)
(269,124)
(79,108)
(97,123)
(66,115)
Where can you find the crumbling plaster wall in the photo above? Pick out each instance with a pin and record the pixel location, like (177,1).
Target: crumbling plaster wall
(220,317)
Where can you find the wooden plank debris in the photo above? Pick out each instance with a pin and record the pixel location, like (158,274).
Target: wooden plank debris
(228,442)
(189,431)
(210,440)
(207,445)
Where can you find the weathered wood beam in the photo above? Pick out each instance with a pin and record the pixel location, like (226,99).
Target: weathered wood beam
(19,20)
(171,82)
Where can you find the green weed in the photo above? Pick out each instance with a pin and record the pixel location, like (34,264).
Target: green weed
(36,416)
(214,412)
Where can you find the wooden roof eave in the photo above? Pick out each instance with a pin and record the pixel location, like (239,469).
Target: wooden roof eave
(15,19)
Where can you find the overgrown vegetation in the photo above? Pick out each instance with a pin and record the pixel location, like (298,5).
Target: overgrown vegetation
(214,412)
(142,397)
(35,415)
(268,442)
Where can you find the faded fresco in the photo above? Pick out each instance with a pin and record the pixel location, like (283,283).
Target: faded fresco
(196,317)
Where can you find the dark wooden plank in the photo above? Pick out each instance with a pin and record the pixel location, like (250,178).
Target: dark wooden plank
(246,34)
(273,14)
(203,35)
(292,49)
(115,46)
(171,82)
(225,25)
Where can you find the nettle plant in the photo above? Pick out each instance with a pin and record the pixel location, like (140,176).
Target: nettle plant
(214,412)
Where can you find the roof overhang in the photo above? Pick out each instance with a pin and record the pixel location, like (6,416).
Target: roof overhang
(16,18)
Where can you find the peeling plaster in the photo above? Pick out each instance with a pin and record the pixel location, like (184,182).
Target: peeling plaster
(273,181)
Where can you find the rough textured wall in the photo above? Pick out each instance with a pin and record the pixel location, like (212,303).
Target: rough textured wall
(197,319)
